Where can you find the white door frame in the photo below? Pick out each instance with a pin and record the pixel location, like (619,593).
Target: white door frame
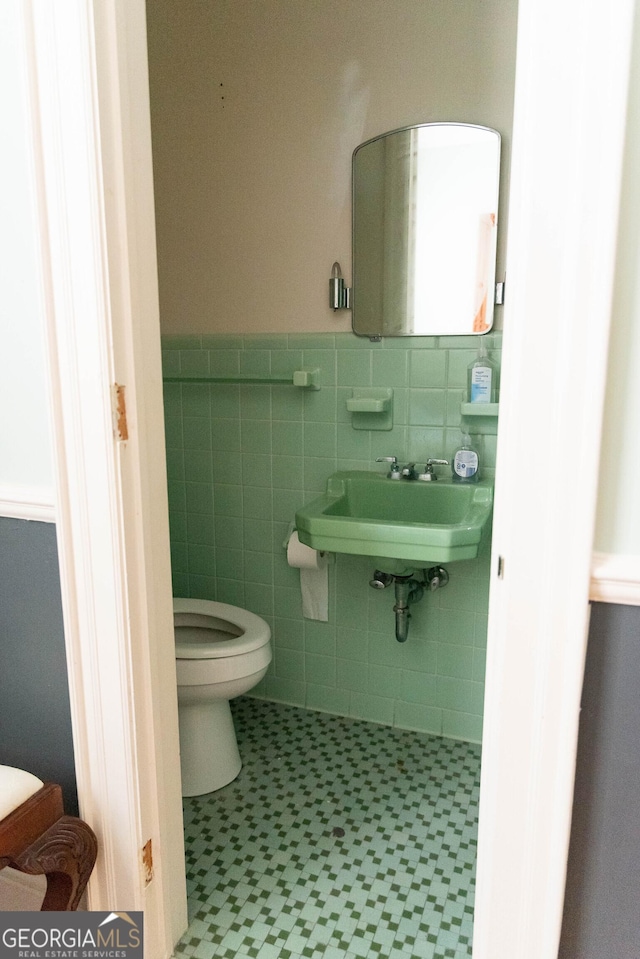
(91,120)
(572,76)
(92,160)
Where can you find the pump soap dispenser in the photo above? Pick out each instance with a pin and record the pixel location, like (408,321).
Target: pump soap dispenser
(465,462)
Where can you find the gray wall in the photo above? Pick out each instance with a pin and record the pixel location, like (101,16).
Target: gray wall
(602,910)
(35,719)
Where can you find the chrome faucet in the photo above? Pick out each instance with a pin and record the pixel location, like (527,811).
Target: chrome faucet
(394,469)
(409,471)
(428,473)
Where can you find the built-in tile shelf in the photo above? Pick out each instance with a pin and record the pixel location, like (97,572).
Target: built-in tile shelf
(480,418)
(305,379)
(480,409)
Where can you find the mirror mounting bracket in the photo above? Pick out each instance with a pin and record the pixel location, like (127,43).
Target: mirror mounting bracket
(339,294)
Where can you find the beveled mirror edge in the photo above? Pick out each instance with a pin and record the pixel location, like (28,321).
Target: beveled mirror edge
(376,336)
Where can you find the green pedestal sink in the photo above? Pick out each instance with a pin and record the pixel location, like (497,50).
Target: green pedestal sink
(404,525)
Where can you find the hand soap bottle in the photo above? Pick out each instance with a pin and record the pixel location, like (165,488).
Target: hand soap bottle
(465,462)
(482,377)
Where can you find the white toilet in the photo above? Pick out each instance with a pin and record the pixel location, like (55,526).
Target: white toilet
(221,652)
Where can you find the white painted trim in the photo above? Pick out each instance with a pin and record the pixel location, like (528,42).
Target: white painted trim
(569,124)
(25,502)
(92,159)
(615,579)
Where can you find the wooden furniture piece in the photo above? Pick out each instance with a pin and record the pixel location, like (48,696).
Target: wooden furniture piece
(37,838)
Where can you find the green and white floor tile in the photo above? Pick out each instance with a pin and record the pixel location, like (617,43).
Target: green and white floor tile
(340,839)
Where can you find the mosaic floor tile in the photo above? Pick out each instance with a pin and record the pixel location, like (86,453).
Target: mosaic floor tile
(340,839)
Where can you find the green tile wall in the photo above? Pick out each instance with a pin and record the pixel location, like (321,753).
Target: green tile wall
(242,458)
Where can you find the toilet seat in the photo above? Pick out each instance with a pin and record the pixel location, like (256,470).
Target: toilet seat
(205,629)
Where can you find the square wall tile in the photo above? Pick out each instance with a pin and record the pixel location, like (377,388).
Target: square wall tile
(257,535)
(198,466)
(227,500)
(258,567)
(230,591)
(228,531)
(200,529)
(196,399)
(224,362)
(375,709)
(324,361)
(255,402)
(199,498)
(353,444)
(425,719)
(319,406)
(351,675)
(319,439)
(455,661)
(256,502)
(327,699)
(194,362)
(230,563)
(197,433)
(316,472)
(352,644)
(287,472)
(289,664)
(259,599)
(286,438)
(256,469)
(286,403)
(427,407)
(289,633)
(225,401)
(255,436)
(320,670)
(257,362)
(354,368)
(389,368)
(465,726)
(428,369)
(319,638)
(384,681)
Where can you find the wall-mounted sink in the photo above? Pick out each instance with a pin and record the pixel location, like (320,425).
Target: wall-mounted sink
(414,522)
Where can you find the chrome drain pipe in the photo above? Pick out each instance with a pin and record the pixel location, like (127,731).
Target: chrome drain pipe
(408,591)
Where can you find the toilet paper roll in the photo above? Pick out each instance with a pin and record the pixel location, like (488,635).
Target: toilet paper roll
(314,578)
(300,556)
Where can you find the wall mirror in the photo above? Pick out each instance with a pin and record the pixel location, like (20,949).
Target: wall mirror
(425,214)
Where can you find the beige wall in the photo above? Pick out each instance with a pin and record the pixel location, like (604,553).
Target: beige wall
(256,109)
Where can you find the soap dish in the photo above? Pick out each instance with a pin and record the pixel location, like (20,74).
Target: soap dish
(372,409)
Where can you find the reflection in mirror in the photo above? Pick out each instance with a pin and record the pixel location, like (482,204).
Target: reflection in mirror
(425,210)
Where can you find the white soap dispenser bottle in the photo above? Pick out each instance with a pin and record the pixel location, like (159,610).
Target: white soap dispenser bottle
(482,377)
(465,462)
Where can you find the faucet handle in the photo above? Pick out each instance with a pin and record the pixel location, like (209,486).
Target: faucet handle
(394,469)
(428,469)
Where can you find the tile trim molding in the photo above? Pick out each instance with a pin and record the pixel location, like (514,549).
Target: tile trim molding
(615,579)
(27,502)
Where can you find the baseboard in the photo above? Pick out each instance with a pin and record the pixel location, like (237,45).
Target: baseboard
(26,502)
(20,892)
(615,579)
